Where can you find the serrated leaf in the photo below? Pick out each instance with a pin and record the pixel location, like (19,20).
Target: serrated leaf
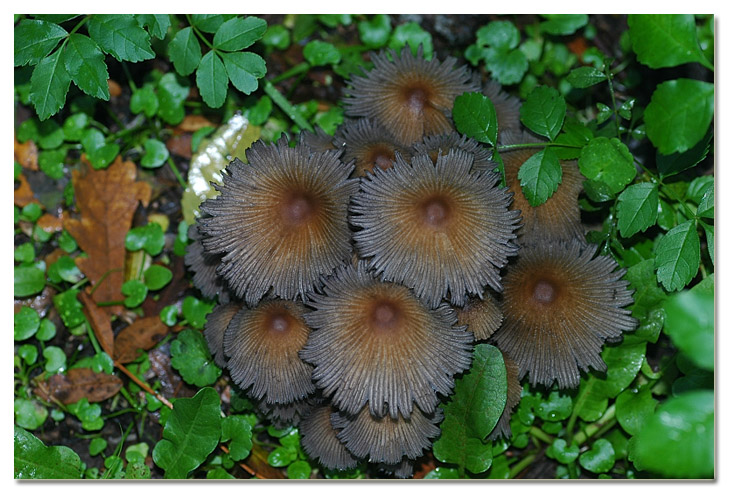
(638,207)
(675,163)
(608,161)
(540,176)
(678,440)
(690,323)
(190,435)
(212,80)
(544,111)
(710,235)
(49,84)
(244,70)
(239,33)
(665,40)
(585,77)
(33,460)
(574,134)
(208,23)
(191,357)
(184,51)
(158,24)
(121,36)
(678,256)
(706,207)
(475,116)
(679,114)
(34,39)
(84,61)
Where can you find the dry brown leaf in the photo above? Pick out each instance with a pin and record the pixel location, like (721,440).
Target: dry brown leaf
(180,145)
(114,88)
(26,154)
(107,200)
(23,194)
(143,334)
(49,223)
(53,256)
(78,383)
(99,321)
(259,462)
(192,123)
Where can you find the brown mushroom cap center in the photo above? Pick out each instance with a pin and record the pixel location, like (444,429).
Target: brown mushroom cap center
(278,323)
(385,316)
(381,156)
(416,99)
(435,212)
(297,208)
(544,292)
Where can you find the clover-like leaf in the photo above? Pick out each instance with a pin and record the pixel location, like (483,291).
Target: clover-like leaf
(239,33)
(184,51)
(49,84)
(561,452)
(375,32)
(34,40)
(212,79)
(85,64)
(155,153)
(244,70)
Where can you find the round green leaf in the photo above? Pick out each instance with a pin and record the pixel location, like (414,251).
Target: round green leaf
(156,277)
(46,331)
(690,323)
(101,157)
(540,176)
(442,473)
(191,357)
(97,446)
(26,323)
(375,32)
(69,308)
(318,52)
(560,451)
(135,291)
(563,24)
(144,100)
(31,212)
(499,34)
(29,414)
(282,456)
(28,352)
(277,36)
(299,470)
(544,111)
(195,311)
(25,253)
(28,280)
(679,114)
(168,315)
(55,359)
(608,161)
(556,407)
(507,67)
(413,35)
(51,163)
(239,432)
(155,155)
(475,116)
(148,237)
(633,409)
(51,135)
(600,458)
(171,95)
(66,269)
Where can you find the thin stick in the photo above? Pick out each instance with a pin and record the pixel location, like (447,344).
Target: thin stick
(142,384)
(245,467)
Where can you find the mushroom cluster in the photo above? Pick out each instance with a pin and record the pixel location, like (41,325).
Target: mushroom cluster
(354,272)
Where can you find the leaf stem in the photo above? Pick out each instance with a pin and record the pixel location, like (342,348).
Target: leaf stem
(520,466)
(609,76)
(609,417)
(175,171)
(541,435)
(510,147)
(296,70)
(198,32)
(286,107)
(96,285)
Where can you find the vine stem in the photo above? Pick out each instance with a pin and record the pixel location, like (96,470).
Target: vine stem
(517,468)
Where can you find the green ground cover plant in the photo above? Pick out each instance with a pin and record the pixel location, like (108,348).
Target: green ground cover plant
(113,378)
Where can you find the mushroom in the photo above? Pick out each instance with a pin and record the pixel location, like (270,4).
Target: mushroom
(369,145)
(320,442)
(215,328)
(482,317)
(443,143)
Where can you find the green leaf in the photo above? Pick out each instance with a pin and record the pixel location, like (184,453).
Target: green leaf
(29,414)
(675,163)
(563,24)
(191,357)
(585,77)
(574,134)
(318,52)
(475,116)
(29,353)
(560,451)
(698,187)
(49,84)
(34,39)
(678,256)
(633,408)
(74,126)
(277,36)
(156,277)
(507,67)
(155,154)
(244,70)
(84,61)
(31,212)
(544,111)
(66,269)
(97,446)
(144,100)
(195,311)
(239,33)
(219,474)
(190,435)
(647,294)
(375,32)
(148,237)
(157,24)
(413,35)
(104,155)
(55,359)
(239,432)
(540,176)
(442,473)
(184,51)
(29,280)
(171,95)
(208,23)
(25,252)
(710,235)
(706,207)
(678,441)
(473,411)
(135,291)
(690,323)
(33,460)
(69,308)
(212,80)
(679,114)
(665,40)
(638,207)
(334,20)
(608,161)
(120,36)
(50,134)
(556,407)
(600,458)
(299,470)
(282,456)
(499,34)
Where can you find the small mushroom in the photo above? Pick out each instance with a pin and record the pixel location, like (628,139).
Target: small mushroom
(320,442)
(369,145)
(215,328)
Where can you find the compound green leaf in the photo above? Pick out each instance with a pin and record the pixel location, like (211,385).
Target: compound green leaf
(678,256)
(608,161)
(212,80)
(121,36)
(84,61)
(190,435)
(540,176)
(544,111)
(690,323)
(638,207)
(34,460)
(34,40)
(191,357)
(244,70)
(157,24)
(49,84)
(679,114)
(239,33)
(665,40)
(184,51)
(678,440)
(475,116)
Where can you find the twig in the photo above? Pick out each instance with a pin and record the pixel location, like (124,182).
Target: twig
(142,384)
(245,467)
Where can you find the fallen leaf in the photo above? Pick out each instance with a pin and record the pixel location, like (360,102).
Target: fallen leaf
(23,194)
(170,381)
(114,88)
(53,256)
(192,123)
(99,321)
(425,467)
(180,145)
(49,223)
(259,462)
(143,334)
(107,200)
(78,383)
(26,154)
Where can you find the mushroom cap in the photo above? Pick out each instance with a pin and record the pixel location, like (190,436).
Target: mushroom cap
(280,221)
(440,229)
(558,218)
(410,96)
(262,346)
(375,342)
(385,439)
(482,317)
(320,442)
(215,328)
(560,304)
(367,143)
(443,143)
(204,265)
(284,415)
(514,394)
(506,106)
(403,469)
(317,141)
